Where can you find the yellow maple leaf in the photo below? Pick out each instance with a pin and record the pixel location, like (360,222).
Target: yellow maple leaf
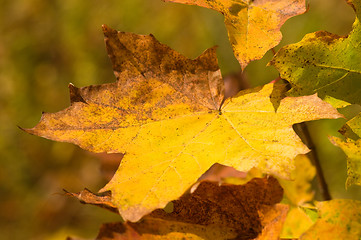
(253,26)
(166,113)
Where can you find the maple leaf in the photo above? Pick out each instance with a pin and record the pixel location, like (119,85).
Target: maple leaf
(353,151)
(212,211)
(253,26)
(165,112)
(325,63)
(338,219)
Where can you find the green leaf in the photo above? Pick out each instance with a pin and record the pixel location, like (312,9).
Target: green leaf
(326,64)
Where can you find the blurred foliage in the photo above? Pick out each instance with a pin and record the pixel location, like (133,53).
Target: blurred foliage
(44,45)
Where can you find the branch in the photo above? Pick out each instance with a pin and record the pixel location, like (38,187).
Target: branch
(305,134)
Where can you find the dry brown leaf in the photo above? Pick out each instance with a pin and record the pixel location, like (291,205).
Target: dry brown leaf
(212,211)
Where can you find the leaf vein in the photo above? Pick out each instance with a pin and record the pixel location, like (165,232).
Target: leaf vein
(172,160)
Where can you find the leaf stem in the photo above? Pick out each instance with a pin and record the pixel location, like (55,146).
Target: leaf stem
(303,129)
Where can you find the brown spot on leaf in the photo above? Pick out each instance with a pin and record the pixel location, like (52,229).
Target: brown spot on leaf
(327,37)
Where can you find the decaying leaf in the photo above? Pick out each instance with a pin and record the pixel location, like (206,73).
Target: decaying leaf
(212,211)
(253,26)
(326,64)
(353,151)
(158,229)
(338,219)
(165,112)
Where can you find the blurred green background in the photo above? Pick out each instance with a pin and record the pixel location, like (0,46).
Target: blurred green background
(44,45)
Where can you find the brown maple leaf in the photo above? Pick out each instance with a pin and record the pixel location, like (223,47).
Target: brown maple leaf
(212,211)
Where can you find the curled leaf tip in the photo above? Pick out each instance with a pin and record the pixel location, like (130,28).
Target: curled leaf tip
(75,94)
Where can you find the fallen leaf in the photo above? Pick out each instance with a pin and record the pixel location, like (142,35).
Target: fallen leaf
(212,211)
(353,151)
(325,63)
(165,112)
(338,219)
(253,26)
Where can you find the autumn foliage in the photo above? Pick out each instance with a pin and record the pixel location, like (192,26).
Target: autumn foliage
(173,118)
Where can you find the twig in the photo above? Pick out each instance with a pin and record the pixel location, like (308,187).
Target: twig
(303,129)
